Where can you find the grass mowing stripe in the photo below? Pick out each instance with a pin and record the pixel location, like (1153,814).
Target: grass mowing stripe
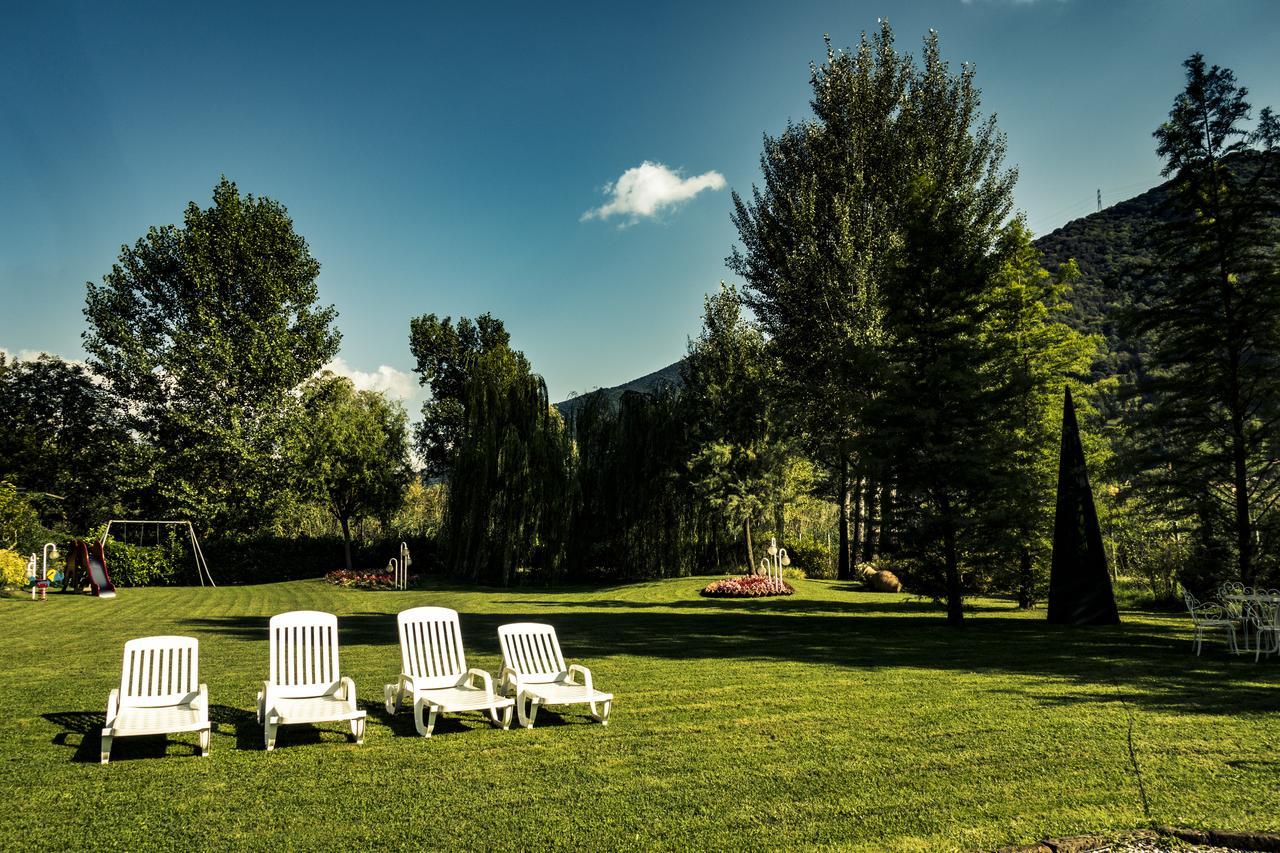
(830,719)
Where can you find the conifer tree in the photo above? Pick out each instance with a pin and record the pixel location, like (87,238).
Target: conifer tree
(1208,442)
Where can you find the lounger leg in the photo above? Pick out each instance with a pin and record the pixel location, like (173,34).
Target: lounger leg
(204,743)
(601,718)
(420,707)
(526,717)
(357,730)
(269,734)
(391,694)
(505,719)
(106,745)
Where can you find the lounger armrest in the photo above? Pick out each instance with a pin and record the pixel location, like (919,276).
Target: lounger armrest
(202,698)
(266,697)
(349,691)
(584,672)
(511,677)
(473,675)
(113,706)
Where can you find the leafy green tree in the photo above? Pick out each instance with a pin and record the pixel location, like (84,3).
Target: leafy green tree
(204,330)
(739,462)
(445,353)
(815,240)
(64,439)
(636,515)
(1208,442)
(353,451)
(511,500)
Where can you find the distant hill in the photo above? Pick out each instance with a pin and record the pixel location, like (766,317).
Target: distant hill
(1113,251)
(667,376)
(1111,248)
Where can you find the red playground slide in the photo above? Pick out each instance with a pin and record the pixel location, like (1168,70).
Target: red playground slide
(91,558)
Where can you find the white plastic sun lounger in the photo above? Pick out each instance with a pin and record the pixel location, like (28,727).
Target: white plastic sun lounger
(306,685)
(159,693)
(434,674)
(534,671)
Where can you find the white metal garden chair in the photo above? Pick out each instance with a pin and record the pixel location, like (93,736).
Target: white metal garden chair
(306,685)
(159,693)
(1209,617)
(534,671)
(434,674)
(1264,616)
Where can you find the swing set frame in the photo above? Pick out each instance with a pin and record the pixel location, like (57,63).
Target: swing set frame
(202,567)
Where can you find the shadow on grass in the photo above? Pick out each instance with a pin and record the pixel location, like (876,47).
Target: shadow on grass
(1146,664)
(81,732)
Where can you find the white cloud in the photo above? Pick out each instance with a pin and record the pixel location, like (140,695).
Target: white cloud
(33,354)
(396,384)
(650,188)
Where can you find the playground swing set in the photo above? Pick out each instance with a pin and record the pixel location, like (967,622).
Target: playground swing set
(87,562)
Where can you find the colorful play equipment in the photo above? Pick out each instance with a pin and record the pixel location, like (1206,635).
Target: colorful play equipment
(202,567)
(86,564)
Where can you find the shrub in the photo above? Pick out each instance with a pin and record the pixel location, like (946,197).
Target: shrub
(13,569)
(167,564)
(267,559)
(792,573)
(814,558)
(751,586)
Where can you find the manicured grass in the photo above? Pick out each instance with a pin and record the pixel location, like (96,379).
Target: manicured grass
(829,718)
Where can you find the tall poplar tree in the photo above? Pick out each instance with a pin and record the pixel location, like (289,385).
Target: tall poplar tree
(814,241)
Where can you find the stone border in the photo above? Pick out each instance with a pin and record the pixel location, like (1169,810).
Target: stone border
(1236,840)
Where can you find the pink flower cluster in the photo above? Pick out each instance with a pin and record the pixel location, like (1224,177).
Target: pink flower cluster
(357,579)
(749,586)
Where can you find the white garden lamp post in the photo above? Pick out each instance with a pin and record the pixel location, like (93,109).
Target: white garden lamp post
(777,559)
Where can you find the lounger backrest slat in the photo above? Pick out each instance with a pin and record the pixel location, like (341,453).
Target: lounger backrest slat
(532,650)
(431,646)
(304,653)
(160,671)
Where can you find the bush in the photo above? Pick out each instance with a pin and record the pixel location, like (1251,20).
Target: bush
(167,564)
(268,559)
(750,586)
(13,569)
(814,558)
(794,574)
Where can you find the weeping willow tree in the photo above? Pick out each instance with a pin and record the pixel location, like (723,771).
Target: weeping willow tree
(637,517)
(511,490)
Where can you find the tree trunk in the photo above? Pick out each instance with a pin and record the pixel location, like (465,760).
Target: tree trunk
(955,597)
(884,542)
(855,543)
(346,538)
(1027,582)
(871,542)
(844,571)
(1240,480)
(751,554)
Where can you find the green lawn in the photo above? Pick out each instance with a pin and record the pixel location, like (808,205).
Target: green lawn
(831,718)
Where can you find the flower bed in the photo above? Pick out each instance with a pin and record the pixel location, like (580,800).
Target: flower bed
(749,586)
(357,579)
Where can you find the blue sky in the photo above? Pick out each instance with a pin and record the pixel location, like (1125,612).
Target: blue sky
(444,160)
